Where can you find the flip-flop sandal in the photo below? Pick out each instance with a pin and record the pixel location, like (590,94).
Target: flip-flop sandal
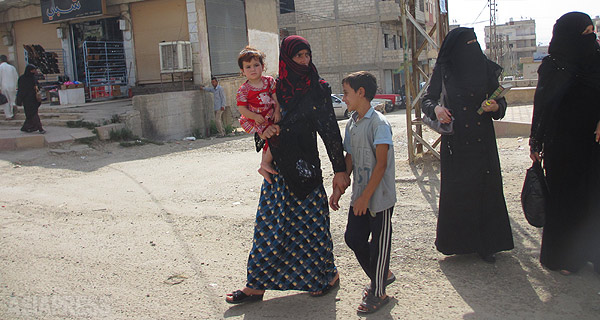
(388,281)
(240,297)
(327,289)
(372,303)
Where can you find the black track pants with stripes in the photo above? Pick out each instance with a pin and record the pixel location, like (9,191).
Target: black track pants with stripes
(374,255)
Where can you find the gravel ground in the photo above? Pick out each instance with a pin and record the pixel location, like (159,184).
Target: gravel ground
(163,232)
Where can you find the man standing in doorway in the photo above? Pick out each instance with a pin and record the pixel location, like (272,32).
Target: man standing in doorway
(219,103)
(8,86)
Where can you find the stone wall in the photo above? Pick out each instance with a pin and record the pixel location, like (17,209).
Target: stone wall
(173,115)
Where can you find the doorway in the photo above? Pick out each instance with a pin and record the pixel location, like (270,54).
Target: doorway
(94,30)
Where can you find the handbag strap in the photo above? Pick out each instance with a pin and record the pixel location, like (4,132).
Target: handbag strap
(444,96)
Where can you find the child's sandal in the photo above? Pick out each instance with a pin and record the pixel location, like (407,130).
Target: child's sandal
(388,281)
(371,303)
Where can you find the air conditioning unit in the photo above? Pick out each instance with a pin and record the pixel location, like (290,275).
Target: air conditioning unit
(175,56)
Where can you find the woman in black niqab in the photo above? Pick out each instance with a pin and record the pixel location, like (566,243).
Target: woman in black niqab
(26,96)
(565,132)
(472,211)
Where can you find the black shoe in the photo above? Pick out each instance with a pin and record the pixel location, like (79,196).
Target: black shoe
(42,131)
(489,257)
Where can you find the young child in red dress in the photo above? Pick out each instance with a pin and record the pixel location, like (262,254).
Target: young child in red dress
(256,101)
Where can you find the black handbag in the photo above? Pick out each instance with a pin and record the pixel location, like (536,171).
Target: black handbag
(3,99)
(534,195)
(436,125)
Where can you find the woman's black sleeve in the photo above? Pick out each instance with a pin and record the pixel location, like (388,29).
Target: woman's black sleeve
(431,98)
(536,136)
(329,131)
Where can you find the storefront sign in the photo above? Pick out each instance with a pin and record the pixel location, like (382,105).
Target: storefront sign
(60,10)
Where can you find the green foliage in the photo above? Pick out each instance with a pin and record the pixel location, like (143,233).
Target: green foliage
(197,133)
(115,118)
(82,124)
(213,128)
(87,140)
(122,134)
(228,129)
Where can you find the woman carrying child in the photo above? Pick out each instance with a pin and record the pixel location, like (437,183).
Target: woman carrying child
(256,101)
(292,246)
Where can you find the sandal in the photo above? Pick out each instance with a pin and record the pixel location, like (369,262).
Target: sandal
(565,272)
(240,297)
(371,303)
(388,281)
(326,290)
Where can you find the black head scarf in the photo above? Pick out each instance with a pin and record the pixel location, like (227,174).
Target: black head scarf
(465,63)
(27,81)
(294,79)
(569,44)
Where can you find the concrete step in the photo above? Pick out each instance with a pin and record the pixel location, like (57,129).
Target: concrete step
(14,139)
(45,122)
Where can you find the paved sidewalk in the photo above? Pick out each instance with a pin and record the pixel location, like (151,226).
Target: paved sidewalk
(516,122)
(12,138)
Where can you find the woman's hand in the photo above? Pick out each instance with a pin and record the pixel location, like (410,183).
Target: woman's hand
(490,106)
(597,132)
(270,131)
(443,114)
(535,156)
(341,181)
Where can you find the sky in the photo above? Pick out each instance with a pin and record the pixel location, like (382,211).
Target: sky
(476,14)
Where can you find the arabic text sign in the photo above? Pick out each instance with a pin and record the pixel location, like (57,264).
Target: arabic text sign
(59,10)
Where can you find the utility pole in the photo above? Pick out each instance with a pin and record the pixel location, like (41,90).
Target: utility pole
(493,34)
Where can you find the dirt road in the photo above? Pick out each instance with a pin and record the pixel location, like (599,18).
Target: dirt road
(163,232)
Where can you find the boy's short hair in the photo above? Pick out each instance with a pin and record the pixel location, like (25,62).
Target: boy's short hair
(248,54)
(3,58)
(214,78)
(363,79)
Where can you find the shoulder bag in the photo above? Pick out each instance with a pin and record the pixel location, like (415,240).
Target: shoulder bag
(436,125)
(534,195)
(38,94)
(3,99)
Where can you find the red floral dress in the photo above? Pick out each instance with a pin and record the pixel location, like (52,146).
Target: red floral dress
(257,100)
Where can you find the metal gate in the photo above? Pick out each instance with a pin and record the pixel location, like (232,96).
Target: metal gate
(105,69)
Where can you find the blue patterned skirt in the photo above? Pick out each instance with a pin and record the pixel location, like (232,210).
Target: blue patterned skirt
(292,247)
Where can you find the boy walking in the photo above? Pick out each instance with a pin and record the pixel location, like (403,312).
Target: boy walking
(370,158)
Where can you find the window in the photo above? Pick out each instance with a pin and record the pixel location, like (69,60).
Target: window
(386,40)
(421,5)
(227,35)
(394,42)
(286,6)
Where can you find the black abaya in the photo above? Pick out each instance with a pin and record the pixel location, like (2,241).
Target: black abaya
(26,96)
(566,113)
(473,217)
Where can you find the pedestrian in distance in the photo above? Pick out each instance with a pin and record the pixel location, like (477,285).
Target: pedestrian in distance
(27,96)
(370,159)
(257,102)
(565,134)
(219,103)
(292,246)
(8,86)
(473,217)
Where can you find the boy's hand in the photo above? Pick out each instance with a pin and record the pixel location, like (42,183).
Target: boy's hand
(276,115)
(360,206)
(334,199)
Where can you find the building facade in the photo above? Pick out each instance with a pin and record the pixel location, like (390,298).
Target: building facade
(354,35)
(514,40)
(134,43)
